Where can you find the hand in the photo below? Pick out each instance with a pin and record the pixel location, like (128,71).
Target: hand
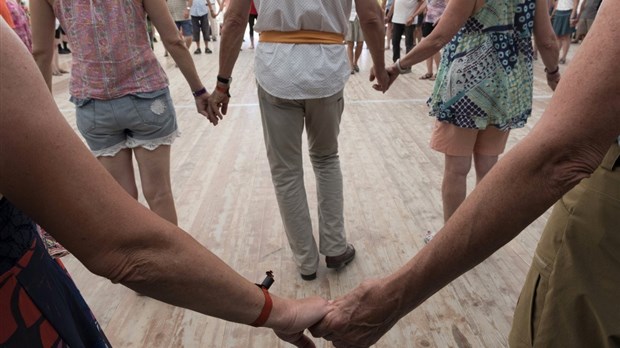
(573,22)
(213,15)
(360,318)
(297,316)
(383,80)
(553,80)
(218,106)
(409,21)
(202,105)
(392,73)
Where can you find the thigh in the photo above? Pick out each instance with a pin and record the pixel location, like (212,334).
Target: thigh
(149,119)
(283,124)
(452,140)
(323,124)
(397,31)
(95,119)
(491,141)
(154,166)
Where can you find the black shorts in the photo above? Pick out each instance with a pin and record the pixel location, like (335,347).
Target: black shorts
(427,29)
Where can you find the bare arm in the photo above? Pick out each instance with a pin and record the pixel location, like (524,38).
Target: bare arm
(235,21)
(372,23)
(546,42)
(452,20)
(162,20)
(46,171)
(43,24)
(565,147)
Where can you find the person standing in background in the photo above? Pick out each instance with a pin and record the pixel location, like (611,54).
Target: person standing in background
(563,21)
(179,9)
(402,22)
(354,38)
(199,12)
(251,20)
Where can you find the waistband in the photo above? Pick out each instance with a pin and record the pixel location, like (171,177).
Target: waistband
(302,37)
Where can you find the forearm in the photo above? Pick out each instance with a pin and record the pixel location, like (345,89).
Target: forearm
(235,22)
(372,23)
(179,52)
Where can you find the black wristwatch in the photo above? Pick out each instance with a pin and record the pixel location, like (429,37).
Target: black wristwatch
(223,80)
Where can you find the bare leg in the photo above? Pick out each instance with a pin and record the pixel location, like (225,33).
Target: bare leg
(454,186)
(358,52)
(121,168)
(483,164)
(155,176)
(350,54)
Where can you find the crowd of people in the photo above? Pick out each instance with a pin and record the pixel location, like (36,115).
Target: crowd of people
(483,53)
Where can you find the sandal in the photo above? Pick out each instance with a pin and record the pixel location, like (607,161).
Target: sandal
(426,76)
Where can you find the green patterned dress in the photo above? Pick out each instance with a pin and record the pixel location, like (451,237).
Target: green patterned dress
(485,75)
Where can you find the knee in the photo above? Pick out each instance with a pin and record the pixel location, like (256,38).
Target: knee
(321,159)
(157,193)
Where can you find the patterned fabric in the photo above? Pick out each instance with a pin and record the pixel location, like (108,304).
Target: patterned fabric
(112,56)
(22,23)
(485,76)
(434,10)
(39,303)
(302,71)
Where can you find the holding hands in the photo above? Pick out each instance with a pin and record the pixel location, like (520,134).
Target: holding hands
(361,317)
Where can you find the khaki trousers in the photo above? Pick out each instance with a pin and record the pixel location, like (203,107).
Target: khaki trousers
(571,297)
(283,124)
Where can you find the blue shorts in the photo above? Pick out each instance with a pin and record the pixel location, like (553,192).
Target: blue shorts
(185,26)
(145,120)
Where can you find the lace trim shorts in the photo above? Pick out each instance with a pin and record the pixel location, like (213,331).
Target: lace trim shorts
(145,120)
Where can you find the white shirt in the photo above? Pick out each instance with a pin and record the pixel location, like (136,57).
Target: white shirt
(565,5)
(402,10)
(302,71)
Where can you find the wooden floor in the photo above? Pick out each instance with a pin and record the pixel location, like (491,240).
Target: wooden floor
(225,199)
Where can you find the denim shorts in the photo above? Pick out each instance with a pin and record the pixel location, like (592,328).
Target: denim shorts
(136,120)
(185,26)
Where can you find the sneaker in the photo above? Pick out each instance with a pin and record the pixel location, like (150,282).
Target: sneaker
(428,237)
(356,68)
(208,51)
(198,51)
(341,260)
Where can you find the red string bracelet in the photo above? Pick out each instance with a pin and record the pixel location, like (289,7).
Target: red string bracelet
(264,314)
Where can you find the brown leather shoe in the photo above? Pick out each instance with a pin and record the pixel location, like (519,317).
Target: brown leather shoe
(341,260)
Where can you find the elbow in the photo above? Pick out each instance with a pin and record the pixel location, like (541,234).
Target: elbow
(548,44)
(234,20)
(568,168)
(371,19)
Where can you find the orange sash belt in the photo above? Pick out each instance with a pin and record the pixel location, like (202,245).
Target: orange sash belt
(302,37)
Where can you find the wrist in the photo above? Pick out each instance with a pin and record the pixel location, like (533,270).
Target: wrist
(554,71)
(197,93)
(401,70)
(278,317)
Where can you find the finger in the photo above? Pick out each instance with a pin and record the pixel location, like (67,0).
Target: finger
(224,109)
(297,339)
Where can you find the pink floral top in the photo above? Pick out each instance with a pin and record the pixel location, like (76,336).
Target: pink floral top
(22,23)
(112,56)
